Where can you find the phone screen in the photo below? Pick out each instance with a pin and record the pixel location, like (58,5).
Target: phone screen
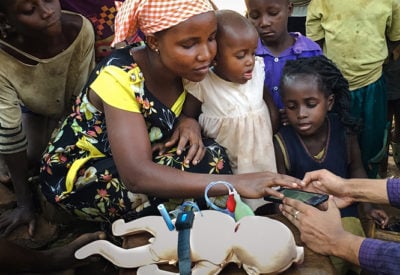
(306,197)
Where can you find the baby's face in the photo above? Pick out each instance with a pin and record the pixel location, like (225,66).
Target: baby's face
(235,57)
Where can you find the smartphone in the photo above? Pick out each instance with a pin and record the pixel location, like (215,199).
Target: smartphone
(310,198)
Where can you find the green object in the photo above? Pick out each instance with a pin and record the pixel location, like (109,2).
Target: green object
(241,209)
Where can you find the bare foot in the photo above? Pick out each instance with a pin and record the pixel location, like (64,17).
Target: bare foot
(62,258)
(16,258)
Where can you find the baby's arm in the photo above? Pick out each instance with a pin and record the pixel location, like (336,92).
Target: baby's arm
(187,133)
(191,107)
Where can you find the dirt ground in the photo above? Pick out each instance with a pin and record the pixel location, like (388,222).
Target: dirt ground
(56,228)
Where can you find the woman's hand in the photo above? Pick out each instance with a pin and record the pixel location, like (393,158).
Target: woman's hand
(187,135)
(259,185)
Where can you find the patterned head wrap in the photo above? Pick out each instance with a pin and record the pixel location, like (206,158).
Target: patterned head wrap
(151,16)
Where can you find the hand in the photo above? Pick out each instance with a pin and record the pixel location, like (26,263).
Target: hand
(20,215)
(158,147)
(323,181)
(319,230)
(259,185)
(380,217)
(187,131)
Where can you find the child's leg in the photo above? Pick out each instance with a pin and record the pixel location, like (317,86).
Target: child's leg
(369,104)
(38,130)
(4,173)
(396,114)
(384,163)
(395,137)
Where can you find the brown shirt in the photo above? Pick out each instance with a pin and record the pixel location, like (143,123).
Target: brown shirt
(46,88)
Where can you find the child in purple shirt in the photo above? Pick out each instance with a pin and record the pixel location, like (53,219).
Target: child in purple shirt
(276,45)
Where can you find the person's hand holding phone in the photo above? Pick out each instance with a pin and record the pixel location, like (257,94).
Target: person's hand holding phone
(321,231)
(323,181)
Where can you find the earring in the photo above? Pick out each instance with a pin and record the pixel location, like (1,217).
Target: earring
(157,51)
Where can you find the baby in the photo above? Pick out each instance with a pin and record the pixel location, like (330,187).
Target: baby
(233,108)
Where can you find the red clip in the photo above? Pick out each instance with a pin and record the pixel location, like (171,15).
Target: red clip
(231,203)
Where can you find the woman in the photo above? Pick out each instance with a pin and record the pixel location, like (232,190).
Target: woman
(101,164)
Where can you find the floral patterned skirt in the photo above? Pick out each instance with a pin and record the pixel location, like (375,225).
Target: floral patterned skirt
(99,195)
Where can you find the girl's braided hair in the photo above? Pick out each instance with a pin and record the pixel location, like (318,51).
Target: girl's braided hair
(330,80)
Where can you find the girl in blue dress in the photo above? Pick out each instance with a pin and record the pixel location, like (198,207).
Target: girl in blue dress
(321,133)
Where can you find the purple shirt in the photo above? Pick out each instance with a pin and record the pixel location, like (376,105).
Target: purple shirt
(382,257)
(303,47)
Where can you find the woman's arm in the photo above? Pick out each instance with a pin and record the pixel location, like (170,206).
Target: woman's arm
(132,154)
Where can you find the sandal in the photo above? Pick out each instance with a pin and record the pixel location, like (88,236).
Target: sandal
(396,153)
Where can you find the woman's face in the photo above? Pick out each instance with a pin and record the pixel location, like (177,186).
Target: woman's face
(188,48)
(34,17)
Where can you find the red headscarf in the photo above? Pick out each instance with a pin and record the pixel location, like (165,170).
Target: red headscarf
(151,16)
